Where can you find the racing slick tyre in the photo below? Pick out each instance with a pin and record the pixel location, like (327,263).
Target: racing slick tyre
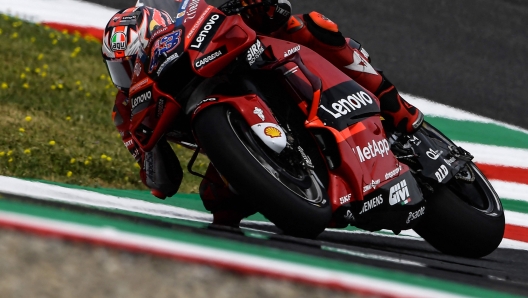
(464,218)
(284,191)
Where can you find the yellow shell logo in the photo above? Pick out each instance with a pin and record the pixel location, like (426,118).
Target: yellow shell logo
(273,132)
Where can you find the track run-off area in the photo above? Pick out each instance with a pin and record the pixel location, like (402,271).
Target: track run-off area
(379,263)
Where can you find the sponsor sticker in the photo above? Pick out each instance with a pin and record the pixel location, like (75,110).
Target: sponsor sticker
(370,204)
(166,62)
(254,51)
(433,154)
(361,64)
(138,85)
(119,41)
(372,150)
(191,9)
(346,105)
(272,132)
(393,173)
(416,214)
(163,46)
(398,193)
(259,112)
(292,51)
(441,173)
(128,18)
(198,22)
(141,98)
(371,185)
(206,32)
(209,57)
(345,199)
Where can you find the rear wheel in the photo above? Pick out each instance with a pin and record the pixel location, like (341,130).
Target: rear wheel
(285,191)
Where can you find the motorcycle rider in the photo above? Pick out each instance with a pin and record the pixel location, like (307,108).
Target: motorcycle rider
(160,168)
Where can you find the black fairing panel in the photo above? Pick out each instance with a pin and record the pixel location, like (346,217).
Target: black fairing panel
(435,157)
(345,104)
(396,205)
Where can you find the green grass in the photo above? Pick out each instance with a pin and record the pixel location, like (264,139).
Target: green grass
(56,101)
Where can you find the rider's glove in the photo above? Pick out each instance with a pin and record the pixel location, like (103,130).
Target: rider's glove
(266,16)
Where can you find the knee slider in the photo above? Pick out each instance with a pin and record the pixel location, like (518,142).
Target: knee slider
(324,29)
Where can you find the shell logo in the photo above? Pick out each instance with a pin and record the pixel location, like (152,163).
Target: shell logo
(272,132)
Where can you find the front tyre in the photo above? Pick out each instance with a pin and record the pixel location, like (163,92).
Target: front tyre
(286,193)
(464,219)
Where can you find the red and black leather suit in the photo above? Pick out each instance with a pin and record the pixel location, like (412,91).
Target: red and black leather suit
(163,173)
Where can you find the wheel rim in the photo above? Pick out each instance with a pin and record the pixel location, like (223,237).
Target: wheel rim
(479,194)
(301,182)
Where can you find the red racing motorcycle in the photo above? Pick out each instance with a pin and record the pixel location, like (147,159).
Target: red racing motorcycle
(306,143)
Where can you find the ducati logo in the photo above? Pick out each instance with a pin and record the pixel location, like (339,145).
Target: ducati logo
(361,65)
(259,112)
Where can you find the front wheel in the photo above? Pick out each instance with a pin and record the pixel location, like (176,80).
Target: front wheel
(464,218)
(287,193)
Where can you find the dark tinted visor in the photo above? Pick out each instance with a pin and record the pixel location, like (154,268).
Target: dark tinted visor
(121,72)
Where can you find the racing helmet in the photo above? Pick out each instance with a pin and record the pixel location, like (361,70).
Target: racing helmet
(127,32)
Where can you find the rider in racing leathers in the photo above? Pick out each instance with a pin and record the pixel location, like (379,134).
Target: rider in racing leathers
(160,169)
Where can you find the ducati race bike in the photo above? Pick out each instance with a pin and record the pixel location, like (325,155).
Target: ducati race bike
(300,139)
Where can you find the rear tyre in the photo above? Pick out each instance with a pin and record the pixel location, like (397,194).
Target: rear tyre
(286,193)
(464,219)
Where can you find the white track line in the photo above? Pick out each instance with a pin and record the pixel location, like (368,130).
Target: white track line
(71,12)
(434,109)
(497,155)
(43,191)
(242,261)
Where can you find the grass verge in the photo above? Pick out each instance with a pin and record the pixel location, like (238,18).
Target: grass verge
(56,100)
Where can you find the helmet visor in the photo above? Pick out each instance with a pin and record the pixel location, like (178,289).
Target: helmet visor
(121,72)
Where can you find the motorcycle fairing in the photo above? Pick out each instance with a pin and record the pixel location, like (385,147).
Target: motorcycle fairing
(396,205)
(152,116)
(349,112)
(256,113)
(439,161)
(217,41)
(345,104)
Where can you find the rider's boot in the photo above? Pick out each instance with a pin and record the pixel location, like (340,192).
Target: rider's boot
(320,34)
(227,207)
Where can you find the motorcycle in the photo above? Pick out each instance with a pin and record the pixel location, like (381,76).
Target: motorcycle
(300,139)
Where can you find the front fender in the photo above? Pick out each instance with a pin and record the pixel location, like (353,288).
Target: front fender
(256,113)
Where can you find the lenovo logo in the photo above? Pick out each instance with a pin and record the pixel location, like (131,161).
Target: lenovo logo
(351,103)
(206,32)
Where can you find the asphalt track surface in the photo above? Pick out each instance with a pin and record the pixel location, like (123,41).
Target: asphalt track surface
(468,54)
(504,270)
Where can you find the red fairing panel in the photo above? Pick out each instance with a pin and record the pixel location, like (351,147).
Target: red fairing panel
(350,112)
(250,106)
(216,41)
